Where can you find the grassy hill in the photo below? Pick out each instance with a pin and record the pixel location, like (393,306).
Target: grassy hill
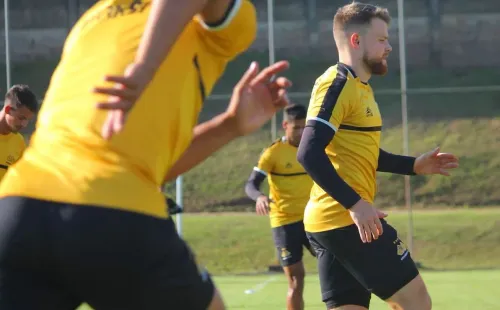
(467,124)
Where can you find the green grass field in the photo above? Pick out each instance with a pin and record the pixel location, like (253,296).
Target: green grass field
(464,290)
(458,250)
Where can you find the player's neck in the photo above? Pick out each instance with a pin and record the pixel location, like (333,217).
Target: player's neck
(4,128)
(357,66)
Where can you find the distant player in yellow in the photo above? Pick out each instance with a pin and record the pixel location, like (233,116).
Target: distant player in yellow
(20,106)
(290,187)
(82,218)
(358,253)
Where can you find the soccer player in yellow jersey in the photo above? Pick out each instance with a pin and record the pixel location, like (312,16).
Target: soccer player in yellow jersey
(358,253)
(19,108)
(82,217)
(289,187)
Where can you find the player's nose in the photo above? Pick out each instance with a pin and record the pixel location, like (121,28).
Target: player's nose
(388,48)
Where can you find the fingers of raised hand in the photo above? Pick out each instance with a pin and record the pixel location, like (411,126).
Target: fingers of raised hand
(447,156)
(113,124)
(278,91)
(267,74)
(122,93)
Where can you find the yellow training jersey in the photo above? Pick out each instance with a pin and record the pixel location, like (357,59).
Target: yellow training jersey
(347,105)
(69,162)
(12,147)
(289,184)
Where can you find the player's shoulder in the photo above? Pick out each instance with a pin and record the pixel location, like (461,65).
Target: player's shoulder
(17,137)
(337,74)
(274,146)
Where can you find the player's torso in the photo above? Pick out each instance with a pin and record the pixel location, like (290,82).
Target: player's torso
(11,149)
(67,149)
(353,152)
(289,185)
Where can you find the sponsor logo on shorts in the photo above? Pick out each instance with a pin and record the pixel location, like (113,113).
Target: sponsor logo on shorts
(285,254)
(401,248)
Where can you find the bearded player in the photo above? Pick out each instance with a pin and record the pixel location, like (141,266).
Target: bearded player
(358,253)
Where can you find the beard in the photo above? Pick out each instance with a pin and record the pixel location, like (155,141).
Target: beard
(376,66)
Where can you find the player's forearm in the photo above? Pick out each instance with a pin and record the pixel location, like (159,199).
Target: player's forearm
(166,21)
(252,187)
(397,164)
(312,156)
(208,138)
(216,11)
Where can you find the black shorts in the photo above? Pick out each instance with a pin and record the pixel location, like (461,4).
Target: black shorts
(56,256)
(289,240)
(350,270)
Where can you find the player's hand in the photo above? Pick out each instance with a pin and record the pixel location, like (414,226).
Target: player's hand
(122,96)
(366,218)
(434,162)
(257,97)
(262,205)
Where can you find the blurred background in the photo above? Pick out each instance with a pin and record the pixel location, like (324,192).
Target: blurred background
(452,76)
(453,101)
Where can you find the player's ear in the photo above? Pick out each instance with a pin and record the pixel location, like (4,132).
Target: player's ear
(354,40)
(284,123)
(8,108)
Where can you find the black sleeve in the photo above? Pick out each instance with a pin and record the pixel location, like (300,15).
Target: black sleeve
(312,156)
(252,187)
(398,164)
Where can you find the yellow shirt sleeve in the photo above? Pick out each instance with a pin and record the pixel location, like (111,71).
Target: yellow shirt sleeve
(331,102)
(234,34)
(266,162)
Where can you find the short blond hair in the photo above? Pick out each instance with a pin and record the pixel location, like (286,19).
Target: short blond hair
(358,14)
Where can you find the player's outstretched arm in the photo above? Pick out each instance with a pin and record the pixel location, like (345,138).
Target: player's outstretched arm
(432,162)
(397,164)
(254,101)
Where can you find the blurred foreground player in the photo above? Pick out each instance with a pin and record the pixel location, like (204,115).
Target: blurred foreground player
(20,107)
(81,217)
(289,187)
(358,253)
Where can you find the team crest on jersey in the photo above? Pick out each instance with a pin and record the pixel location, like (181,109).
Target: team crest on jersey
(10,160)
(369,112)
(288,165)
(285,254)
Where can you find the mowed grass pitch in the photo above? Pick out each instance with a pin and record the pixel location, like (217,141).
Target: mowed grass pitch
(458,250)
(450,290)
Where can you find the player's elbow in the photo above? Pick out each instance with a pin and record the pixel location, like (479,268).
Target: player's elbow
(249,188)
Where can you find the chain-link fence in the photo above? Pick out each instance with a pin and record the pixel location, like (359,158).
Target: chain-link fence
(452,99)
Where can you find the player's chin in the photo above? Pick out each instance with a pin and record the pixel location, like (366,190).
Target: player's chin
(380,69)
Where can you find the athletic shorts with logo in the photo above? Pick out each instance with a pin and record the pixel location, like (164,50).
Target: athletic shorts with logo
(290,240)
(350,270)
